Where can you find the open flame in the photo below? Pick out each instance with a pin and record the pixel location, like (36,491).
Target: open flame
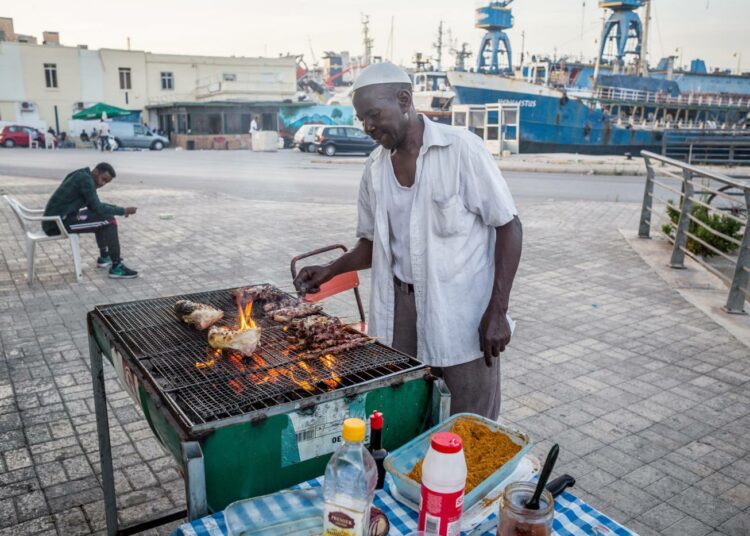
(246,318)
(257,371)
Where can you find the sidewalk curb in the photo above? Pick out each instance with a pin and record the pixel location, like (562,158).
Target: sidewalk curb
(698,286)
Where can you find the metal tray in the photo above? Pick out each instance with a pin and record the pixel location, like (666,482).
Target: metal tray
(401,461)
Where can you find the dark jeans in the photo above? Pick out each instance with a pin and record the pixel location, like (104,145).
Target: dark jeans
(103,227)
(474,387)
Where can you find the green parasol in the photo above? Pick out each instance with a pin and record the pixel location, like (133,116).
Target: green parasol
(101,111)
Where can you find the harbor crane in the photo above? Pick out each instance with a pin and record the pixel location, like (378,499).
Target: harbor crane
(495,18)
(623,26)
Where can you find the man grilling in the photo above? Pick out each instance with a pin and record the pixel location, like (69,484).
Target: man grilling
(78,190)
(438,226)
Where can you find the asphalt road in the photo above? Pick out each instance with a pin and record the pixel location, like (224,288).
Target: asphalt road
(287,175)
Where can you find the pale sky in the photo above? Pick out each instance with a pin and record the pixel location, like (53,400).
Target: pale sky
(714,30)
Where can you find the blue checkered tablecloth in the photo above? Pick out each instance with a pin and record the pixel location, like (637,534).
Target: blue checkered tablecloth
(573,517)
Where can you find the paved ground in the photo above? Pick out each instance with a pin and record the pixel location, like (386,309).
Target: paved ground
(647,397)
(289,175)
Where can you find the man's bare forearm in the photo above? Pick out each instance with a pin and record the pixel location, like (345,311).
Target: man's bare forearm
(508,242)
(357,258)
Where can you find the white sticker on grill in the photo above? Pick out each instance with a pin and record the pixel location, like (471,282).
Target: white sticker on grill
(127,378)
(317,433)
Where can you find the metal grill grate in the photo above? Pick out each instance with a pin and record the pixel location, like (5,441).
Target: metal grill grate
(179,359)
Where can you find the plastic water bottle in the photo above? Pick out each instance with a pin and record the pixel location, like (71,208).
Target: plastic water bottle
(351,476)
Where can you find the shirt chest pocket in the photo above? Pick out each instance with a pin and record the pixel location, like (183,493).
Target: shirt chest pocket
(449,216)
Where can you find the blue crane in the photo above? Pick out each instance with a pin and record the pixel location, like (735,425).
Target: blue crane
(495,17)
(623,25)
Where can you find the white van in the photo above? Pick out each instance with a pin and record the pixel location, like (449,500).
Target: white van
(304,138)
(136,136)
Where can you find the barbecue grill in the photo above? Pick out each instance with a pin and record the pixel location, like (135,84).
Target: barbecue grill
(243,427)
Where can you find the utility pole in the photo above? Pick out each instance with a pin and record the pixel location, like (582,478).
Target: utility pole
(738,55)
(523,44)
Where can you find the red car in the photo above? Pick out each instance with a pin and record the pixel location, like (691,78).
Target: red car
(18,136)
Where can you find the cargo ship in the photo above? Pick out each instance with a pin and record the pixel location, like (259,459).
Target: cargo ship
(615,106)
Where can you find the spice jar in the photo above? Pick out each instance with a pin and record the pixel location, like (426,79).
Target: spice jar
(517,520)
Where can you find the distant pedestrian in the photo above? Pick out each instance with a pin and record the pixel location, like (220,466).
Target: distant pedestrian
(253,126)
(103,135)
(84,136)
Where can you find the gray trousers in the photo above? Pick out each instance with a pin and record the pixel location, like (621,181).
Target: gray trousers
(474,387)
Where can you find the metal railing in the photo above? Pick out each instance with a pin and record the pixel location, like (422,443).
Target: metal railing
(719,195)
(662,99)
(707,146)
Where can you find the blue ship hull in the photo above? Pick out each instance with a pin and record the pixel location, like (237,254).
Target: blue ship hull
(553,123)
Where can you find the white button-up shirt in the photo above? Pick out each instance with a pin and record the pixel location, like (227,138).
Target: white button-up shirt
(460,197)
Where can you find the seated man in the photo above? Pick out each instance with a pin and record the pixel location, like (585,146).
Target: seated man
(77,190)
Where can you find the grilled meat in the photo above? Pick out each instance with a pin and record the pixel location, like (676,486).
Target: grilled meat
(287,314)
(198,315)
(258,293)
(245,341)
(316,335)
(282,303)
(350,344)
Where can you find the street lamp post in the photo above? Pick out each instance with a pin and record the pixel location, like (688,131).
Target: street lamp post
(738,55)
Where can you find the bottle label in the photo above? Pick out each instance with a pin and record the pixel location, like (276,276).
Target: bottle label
(440,513)
(340,521)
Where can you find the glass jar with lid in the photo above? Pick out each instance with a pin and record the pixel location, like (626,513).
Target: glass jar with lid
(517,520)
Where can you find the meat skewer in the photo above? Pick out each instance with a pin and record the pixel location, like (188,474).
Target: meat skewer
(198,315)
(287,314)
(355,342)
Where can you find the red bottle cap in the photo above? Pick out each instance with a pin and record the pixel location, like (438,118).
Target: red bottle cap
(376,420)
(446,442)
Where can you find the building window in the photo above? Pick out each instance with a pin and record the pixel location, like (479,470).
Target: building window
(125,78)
(50,74)
(167,80)
(229,77)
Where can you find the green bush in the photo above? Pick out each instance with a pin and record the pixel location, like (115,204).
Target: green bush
(719,223)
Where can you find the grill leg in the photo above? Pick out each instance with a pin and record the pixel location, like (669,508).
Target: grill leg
(102,429)
(195,480)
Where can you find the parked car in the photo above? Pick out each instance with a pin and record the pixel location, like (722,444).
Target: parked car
(136,136)
(18,136)
(330,140)
(304,138)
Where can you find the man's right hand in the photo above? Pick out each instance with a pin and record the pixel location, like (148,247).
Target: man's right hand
(310,278)
(130,211)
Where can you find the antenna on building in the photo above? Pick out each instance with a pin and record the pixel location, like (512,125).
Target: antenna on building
(128,41)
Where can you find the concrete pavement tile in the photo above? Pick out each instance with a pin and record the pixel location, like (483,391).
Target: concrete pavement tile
(661,517)
(738,496)
(738,525)
(705,507)
(687,526)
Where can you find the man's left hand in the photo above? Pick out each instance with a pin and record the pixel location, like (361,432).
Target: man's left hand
(494,333)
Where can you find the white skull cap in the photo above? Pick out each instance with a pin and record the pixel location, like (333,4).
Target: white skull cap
(381,73)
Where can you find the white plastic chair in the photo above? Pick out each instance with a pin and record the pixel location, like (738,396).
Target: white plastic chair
(28,217)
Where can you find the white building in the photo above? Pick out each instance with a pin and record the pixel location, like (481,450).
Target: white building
(44,85)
